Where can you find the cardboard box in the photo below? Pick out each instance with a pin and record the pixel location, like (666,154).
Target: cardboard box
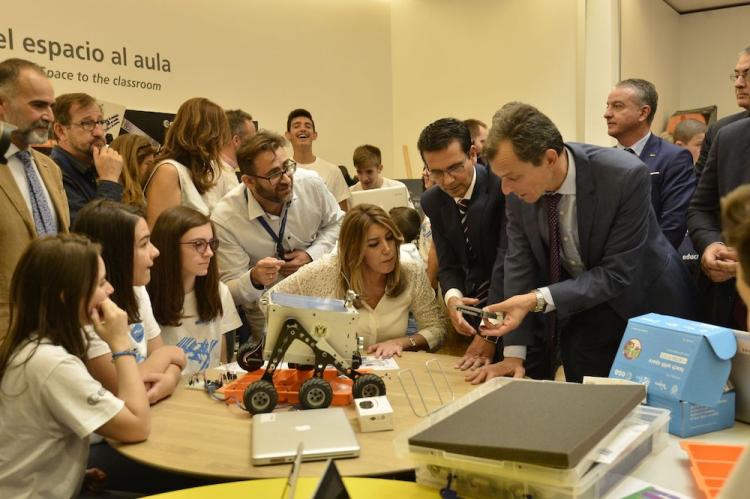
(684,365)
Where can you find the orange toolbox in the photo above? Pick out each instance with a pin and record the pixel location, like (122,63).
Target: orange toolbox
(711,464)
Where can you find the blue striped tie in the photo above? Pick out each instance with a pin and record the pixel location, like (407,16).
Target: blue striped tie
(40,209)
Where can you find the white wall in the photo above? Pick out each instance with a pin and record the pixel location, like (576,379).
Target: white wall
(709,46)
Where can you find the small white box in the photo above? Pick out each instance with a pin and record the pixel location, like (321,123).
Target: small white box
(374,414)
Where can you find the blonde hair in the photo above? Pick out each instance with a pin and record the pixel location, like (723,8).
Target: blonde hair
(352,242)
(134,149)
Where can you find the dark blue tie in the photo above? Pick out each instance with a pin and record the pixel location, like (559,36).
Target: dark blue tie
(40,209)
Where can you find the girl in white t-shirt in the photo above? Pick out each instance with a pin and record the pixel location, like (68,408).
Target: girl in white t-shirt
(49,403)
(129,255)
(194,308)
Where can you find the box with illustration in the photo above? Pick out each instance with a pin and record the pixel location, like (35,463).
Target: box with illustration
(685,366)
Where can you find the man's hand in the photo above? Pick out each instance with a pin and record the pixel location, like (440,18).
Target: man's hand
(515,309)
(386,349)
(293,261)
(479,353)
(266,271)
(719,262)
(510,366)
(108,163)
(457,318)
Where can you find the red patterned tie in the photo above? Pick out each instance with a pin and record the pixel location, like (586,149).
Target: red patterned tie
(553,226)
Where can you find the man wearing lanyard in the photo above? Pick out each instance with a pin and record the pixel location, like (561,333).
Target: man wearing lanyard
(271,224)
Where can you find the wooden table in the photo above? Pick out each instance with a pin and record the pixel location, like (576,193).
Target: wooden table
(194,434)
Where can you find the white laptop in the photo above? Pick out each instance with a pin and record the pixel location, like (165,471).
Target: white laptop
(324,433)
(385,197)
(740,377)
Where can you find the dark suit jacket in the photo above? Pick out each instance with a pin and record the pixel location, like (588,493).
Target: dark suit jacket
(672,185)
(711,132)
(486,218)
(629,264)
(727,167)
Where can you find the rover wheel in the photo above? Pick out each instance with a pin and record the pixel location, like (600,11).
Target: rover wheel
(260,396)
(368,385)
(250,356)
(315,393)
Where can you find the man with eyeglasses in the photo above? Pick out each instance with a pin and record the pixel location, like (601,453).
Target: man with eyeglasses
(273,223)
(467,213)
(32,198)
(90,168)
(739,78)
(725,168)
(631,107)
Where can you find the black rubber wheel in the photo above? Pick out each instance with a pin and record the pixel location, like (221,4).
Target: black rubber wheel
(368,385)
(260,397)
(315,393)
(250,356)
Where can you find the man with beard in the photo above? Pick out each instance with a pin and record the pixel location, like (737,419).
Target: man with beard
(90,168)
(32,198)
(271,224)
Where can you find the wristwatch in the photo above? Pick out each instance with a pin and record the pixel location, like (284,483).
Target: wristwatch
(541,303)
(412,341)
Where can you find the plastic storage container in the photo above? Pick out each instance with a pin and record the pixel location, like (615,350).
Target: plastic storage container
(475,477)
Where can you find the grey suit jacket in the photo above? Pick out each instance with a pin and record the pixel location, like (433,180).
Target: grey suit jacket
(629,263)
(17,225)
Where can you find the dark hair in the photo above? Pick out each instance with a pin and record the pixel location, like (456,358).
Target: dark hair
(646,92)
(440,134)
(735,223)
(112,225)
(10,69)
(53,277)
(687,129)
(236,119)
(198,133)
(304,113)
(367,155)
(166,288)
(251,148)
(529,130)
(65,102)
(408,222)
(474,125)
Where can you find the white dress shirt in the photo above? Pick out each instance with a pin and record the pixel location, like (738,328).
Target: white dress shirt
(638,146)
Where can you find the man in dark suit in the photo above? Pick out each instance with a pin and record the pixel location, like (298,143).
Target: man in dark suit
(727,166)
(631,107)
(584,247)
(742,94)
(465,194)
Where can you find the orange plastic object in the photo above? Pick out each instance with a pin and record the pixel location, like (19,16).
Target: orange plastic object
(711,464)
(287,383)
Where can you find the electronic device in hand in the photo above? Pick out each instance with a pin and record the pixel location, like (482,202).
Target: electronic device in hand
(478,312)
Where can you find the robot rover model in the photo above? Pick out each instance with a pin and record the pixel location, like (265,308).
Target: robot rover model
(307,331)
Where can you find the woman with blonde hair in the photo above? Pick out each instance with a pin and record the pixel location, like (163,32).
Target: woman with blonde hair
(138,159)
(368,263)
(189,170)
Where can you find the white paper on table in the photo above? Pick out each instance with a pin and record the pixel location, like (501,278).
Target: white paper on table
(630,486)
(627,435)
(376,364)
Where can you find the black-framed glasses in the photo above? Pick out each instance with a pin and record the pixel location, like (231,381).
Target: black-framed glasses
(200,245)
(453,171)
(287,167)
(735,76)
(89,125)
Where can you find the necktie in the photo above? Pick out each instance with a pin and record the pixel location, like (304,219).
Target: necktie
(463,209)
(553,226)
(40,210)
(630,151)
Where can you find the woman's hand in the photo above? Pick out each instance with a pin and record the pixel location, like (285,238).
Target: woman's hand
(111,324)
(386,349)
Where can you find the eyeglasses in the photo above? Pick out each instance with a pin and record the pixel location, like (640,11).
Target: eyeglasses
(200,245)
(735,76)
(453,171)
(287,167)
(89,125)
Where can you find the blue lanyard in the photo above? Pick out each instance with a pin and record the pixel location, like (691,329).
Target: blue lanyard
(278,239)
